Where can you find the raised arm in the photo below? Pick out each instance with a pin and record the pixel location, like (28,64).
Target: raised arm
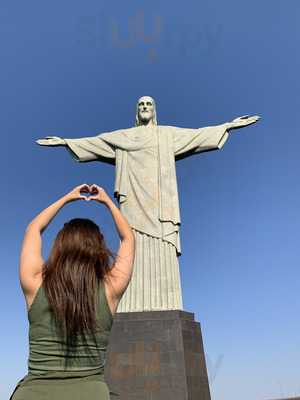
(187,142)
(121,272)
(83,149)
(31,260)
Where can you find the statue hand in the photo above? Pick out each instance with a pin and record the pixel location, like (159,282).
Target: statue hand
(51,141)
(242,121)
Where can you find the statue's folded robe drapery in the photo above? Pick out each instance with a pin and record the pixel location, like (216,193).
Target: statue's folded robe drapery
(174,143)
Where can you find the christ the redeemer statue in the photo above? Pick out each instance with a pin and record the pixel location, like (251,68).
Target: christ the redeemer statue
(146,189)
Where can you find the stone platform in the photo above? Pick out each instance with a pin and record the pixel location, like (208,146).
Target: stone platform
(157,355)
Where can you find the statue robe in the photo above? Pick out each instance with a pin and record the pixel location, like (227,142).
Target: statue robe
(146,189)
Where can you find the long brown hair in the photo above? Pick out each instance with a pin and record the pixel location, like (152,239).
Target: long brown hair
(78,261)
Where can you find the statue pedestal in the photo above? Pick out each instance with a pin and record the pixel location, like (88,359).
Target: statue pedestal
(157,355)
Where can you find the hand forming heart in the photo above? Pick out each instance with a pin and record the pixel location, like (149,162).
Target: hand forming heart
(88,192)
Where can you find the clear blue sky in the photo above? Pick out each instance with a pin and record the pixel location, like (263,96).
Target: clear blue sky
(76,69)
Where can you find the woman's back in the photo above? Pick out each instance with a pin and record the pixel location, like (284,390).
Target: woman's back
(47,346)
(47,361)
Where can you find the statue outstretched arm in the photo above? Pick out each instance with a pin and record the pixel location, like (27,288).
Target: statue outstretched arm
(83,149)
(187,142)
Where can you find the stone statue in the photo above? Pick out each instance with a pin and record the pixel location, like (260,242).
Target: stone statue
(146,189)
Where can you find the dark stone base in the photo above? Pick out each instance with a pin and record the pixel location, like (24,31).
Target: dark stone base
(157,355)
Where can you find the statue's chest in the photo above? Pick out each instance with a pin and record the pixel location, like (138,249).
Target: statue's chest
(146,158)
(146,144)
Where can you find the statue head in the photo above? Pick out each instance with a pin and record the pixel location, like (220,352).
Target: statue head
(145,111)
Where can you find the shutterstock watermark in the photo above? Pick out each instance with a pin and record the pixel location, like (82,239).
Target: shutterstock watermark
(149,33)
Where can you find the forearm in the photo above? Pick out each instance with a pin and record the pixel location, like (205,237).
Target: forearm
(42,220)
(122,225)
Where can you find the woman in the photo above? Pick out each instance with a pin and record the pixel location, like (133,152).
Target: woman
(71,299)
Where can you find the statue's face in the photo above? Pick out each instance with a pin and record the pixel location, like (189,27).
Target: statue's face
(145,109)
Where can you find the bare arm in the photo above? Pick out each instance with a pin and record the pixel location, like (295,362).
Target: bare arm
(122,269)
(31,260)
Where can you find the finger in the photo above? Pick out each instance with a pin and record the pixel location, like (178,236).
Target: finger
(95,189)
(97,186)
(84,186)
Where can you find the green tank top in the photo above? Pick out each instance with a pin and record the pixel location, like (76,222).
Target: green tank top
(47,346)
